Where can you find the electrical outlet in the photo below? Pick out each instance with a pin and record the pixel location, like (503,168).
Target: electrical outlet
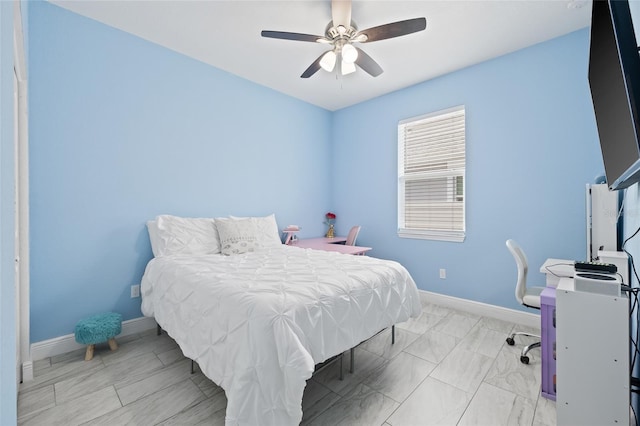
(135,291)
(443,273)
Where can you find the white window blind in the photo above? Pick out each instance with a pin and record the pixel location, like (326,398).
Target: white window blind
(431,170)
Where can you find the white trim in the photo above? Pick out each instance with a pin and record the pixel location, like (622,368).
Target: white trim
(432,114)
(16,243)
(64,344)
(525,319)
(27,371)
(19,61)
(22,207)
(452,236)
(22,194)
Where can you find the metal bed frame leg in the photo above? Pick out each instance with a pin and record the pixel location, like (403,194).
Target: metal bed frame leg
(193,367)
(341,370)
(353,361)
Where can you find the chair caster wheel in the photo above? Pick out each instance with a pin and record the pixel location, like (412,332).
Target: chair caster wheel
(510,341)
(524,359)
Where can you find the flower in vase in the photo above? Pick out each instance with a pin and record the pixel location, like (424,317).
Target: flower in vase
(330,218)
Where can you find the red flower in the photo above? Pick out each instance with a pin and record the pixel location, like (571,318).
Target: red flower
(331,217)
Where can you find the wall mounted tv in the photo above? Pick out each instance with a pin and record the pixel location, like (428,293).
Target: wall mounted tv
(614,79)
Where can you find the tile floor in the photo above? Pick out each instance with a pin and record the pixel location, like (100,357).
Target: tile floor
(446,368)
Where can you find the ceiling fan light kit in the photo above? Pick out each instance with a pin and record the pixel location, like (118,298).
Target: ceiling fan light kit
(341,33)
(328,61)
(347,67)
(349,53)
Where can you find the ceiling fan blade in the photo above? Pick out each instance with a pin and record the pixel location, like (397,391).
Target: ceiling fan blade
(394,29)
(313,68)
(292,36)
(367,63)
(341,13)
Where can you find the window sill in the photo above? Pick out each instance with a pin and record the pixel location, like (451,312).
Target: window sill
(451,236)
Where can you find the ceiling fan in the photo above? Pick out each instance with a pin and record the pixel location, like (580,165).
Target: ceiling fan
(341,34)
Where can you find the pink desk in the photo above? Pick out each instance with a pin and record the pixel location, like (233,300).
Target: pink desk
(330,244)
(309,242)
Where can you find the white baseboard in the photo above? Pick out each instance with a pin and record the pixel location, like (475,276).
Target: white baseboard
(27,371)
(525,319)
(64,344)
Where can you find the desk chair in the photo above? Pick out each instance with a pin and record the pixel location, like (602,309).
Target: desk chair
(351,237)
(526,296)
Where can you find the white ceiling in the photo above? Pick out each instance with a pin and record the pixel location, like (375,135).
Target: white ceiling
(226,34)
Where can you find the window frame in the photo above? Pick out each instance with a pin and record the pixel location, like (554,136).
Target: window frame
(452,235)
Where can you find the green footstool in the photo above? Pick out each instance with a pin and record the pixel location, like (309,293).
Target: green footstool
(97,329)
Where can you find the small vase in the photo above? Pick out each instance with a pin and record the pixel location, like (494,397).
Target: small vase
(330,233)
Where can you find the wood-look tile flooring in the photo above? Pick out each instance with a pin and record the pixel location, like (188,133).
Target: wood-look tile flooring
(446,368)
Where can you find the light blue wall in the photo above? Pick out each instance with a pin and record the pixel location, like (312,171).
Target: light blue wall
(122,130)
(8,388)
(532,146)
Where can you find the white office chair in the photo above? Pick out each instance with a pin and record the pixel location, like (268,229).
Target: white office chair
(352,236)
(526,296)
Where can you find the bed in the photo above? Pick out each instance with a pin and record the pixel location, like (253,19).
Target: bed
(257,316)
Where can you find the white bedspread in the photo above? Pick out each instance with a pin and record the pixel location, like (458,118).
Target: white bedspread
(257,323)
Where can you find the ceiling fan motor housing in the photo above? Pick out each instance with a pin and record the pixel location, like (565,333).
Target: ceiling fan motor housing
(334,32)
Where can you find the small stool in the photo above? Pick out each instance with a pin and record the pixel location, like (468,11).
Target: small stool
(97,329)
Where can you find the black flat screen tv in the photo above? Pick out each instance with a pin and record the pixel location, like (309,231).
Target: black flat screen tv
(614,80)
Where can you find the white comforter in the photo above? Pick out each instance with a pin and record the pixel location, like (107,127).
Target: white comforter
(258,323)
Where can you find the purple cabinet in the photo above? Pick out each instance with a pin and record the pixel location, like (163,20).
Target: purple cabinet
(548,341)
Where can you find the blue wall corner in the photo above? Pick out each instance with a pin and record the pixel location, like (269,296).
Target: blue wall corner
(131,130)
(532,146)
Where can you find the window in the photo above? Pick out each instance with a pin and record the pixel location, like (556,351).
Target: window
(431,170)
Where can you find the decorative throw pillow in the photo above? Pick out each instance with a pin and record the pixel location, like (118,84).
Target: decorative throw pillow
(237,236)
(182,235)
(267,233)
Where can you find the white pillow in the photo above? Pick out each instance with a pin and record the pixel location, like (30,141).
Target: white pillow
(267,233)
(237,235)
(154,238)
(183,235)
